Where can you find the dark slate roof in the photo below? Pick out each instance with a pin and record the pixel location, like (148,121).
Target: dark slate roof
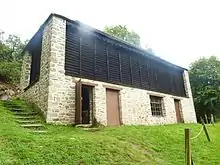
(113,39)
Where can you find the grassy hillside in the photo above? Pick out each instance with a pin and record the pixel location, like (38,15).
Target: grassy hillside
(159,145)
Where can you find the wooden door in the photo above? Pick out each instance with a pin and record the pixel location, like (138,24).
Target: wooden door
(113,114)
(78,96)
(178,110)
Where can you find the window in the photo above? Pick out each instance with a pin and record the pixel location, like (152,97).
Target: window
(157,108)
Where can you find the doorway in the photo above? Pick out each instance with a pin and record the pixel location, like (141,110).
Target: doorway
(113,113)
(84,103)
(178,111)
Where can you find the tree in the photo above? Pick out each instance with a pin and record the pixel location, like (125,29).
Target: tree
(16,46)
(5,52)
(122,32)
(11,48)
(10,56)
(205,83)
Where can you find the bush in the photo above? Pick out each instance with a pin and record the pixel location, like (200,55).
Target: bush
(10,71)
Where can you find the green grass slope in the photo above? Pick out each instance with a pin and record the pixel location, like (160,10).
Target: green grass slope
(159,145)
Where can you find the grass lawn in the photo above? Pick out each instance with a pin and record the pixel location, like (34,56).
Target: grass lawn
(153,145)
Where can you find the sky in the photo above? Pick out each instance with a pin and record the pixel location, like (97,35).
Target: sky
(179,31)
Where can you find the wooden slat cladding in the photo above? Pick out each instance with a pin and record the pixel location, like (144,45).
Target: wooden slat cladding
(72,56)
(135,71)
(101,61)
(87,55)
(144,75)
(35,52)
(93,56)
(114,65)
(125,68)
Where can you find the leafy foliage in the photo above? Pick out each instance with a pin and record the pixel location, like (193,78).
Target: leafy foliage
(11,57)
(16,46)
(122,32)
(10,71)
(205,81)
(11,48)
(5,53)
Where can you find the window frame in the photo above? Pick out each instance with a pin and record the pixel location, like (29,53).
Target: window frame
(157,106)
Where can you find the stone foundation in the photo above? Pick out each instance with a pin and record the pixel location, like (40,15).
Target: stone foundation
(135,105)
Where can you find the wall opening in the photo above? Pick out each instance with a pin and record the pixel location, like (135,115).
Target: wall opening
(178,110)
(87,102)
(84,103)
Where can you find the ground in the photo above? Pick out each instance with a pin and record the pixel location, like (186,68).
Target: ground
(159,145)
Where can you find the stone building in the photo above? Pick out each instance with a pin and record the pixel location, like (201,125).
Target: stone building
(79,75)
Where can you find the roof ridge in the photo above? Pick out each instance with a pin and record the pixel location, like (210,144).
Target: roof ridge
(141,50)
(121,41)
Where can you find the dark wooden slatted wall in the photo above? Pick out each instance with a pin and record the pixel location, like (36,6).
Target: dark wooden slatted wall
(72,57)
(125,69)
(135,71)
(101,61)
(87,55)
(35,52)
(114,65)
(92,56)
(144,76)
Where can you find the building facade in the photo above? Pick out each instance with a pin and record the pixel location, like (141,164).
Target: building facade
(79,75)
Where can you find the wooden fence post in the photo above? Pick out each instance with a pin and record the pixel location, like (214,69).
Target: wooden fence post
(187,147)
(212,119)
(206,119)
(206,132)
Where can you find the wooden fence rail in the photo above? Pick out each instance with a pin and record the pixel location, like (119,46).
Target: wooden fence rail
(188,153)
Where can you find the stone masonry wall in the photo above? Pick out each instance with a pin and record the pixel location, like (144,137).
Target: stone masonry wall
(61,100)
(38,92)
(188,103)
(25,71)
(135,105)
(54,92)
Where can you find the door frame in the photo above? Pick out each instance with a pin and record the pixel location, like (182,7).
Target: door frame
(78,103)
(78,99)
(180,110)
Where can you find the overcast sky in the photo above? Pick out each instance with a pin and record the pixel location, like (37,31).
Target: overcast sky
(179,31)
